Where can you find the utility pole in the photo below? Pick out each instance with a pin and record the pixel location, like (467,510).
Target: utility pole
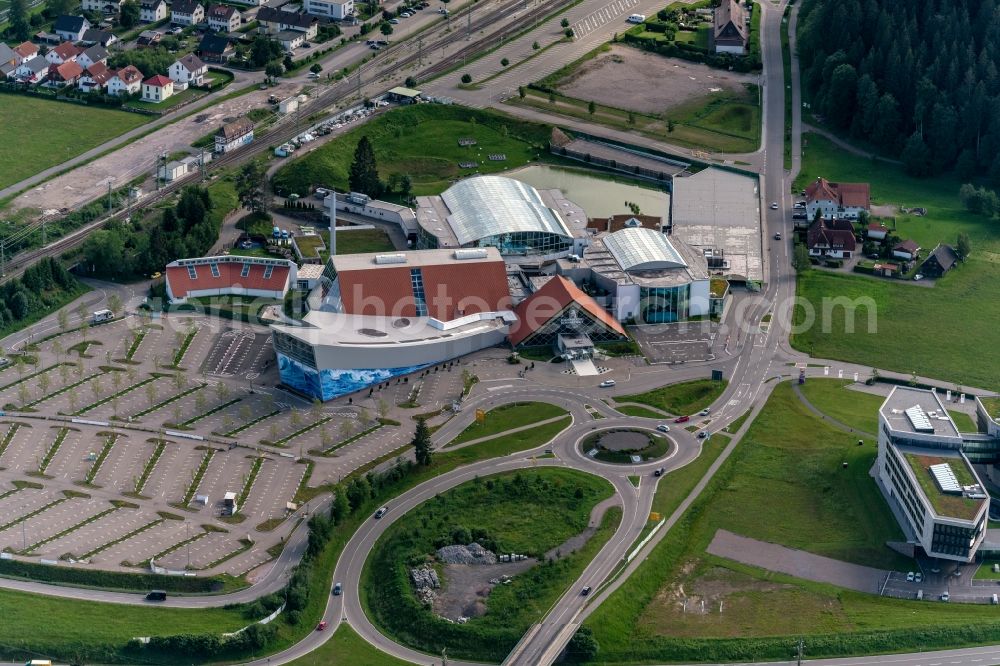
(468,34)
(109,198)
(3,258)
(420,50)
(43,232)
(799,660)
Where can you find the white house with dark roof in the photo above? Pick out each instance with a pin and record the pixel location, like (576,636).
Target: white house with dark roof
(275,21)
(223,18)
(233,135)
(106,7)
(187,12)
(187,71)
(71,28)
(95,54)
(730,32)
(35,70)
(103,37)
(334,9)
(151,11)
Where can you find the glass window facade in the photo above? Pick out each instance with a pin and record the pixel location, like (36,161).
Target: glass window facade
(215,270)
(522,243)
(192,272)
(571,321)
(417,283)
(661,305)
(953,540)
(294,348)
(245,271)
(426,240)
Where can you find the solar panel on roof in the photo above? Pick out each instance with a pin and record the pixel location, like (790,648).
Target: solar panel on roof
(946,479)
(918,419)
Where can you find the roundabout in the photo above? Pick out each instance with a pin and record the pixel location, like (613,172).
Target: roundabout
(628,446)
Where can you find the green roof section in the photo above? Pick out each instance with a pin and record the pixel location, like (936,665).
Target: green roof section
(946,505)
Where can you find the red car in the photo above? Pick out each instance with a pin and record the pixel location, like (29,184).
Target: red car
(321,626)
(682,419)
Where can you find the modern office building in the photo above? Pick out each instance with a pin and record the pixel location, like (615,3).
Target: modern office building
(377,316)
(527,226)
(934,492)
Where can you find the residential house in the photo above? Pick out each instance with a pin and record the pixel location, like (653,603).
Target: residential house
(877,231)
(274,21)
(941,260)
(25,51)
(233,135)
(223,18)
(106,7)
(35,70)
(215,48)
(334,9)
(885,269)
(186,12)
(730,32)
(128,81)
(148,39)
(103,38)
(151,11)
(837,200)
(95,78)
(907,249)
(7,70)
(7,55)
(95,54)
(289,39)
(832,239)
(66,74)
(188,71)
(63,53)
(71,28)
(157,88)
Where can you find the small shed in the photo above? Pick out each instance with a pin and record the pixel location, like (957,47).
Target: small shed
(403,95)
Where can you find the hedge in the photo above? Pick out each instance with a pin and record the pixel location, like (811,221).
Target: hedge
(116,580)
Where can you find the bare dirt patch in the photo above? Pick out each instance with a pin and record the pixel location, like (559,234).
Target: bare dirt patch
(635,80)
(466,587)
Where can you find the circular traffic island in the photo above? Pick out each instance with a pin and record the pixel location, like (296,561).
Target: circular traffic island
(471,569)
(626,446)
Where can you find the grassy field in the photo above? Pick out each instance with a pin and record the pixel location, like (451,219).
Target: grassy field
(422,142)
(727,122)
(642,412)
(530,511)
(362,240)
(853,408)
(28,130)
(783,484)
(506,417)
(959,306)
(683,398)
(346,648)
(42,625)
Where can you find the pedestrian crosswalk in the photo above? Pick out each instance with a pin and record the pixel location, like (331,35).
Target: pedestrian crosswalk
(600,17)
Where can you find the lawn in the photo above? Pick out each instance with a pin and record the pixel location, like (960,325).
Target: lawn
(635,410)
(363,240)
(174,100)
(507,417)
(783,483)
(310,245)
(421,142)
(656,446)
(992,406)
(531,512)
(346,648)
(852,408)
(95,631)
(683,398)
(728,122)
(29,130)
(958,307)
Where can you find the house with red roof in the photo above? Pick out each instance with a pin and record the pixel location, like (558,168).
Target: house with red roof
(63,53)
(25,51)
(907,249)
(831,239)
(157,88)
(96,78)
(877,231)
(127,81)
(837,200)
(67,73)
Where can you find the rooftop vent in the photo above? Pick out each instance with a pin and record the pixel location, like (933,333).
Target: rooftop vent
(918,419)
(398,258)
(474,253)
(945,478)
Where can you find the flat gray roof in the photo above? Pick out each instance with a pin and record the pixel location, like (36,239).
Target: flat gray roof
(919,411)
(719,209)
(602,260)
(338,329)
(414,258)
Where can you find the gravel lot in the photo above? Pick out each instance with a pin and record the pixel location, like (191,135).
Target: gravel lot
(628,78)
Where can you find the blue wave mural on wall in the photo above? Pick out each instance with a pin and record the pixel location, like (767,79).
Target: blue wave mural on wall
(330,384)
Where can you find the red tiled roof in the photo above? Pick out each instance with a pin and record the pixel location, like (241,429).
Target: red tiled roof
(229,277)
(158,81)
(852,195)
(67,50)
(908,245)
(68,70)
(25,49)
(877,226)
(555,295)
(451,290)
(129,74)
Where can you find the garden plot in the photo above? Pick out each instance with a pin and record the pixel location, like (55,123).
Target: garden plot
(635,80)
(70,461)
(226,473)
(275,485)
(49,523)
(173,472)
(27,447)
(138,549)
(91,536)
(124,465)
(208,549)
(24,502)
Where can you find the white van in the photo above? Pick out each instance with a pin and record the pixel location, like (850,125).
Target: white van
(637,18)
(103,315)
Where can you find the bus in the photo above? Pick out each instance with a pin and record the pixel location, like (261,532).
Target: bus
(103,315)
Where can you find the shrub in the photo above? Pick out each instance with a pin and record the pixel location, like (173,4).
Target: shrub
(466,78)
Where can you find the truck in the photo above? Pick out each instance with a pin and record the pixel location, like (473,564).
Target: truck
(229,503)
(103,315)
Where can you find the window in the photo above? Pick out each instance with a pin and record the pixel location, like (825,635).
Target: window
(246,271)
(192,273)
(417,282)
(267,272)
(215,270)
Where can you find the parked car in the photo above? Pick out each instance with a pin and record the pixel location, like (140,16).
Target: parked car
(381,512)
(663,427)
(918,277)
(909,577)
(799,204)
(394,21)
(918,577)
(945,597)
(607,383)
(338,589)
(682,419)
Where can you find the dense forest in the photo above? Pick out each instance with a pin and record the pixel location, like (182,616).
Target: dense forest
(39,290)
(917,79)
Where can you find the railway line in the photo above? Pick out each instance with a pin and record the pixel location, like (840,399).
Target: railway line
(492,23)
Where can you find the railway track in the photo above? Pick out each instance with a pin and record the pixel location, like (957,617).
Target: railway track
(284,132)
